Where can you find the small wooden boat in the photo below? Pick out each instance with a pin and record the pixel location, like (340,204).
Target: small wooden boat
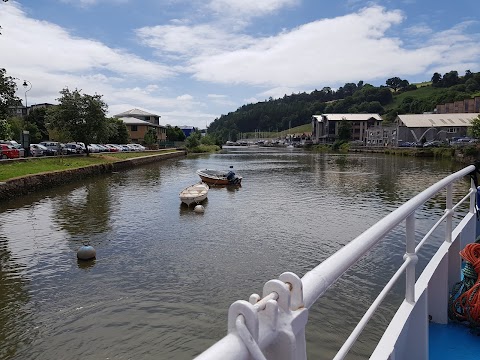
(219,177)
(194,194)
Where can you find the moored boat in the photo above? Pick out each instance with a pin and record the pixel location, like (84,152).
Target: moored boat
(195,193)
(219,177)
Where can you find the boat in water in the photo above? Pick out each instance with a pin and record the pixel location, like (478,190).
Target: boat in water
(219,177)
(272,325)
(195,193)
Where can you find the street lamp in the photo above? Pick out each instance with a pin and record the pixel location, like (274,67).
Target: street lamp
(28,86)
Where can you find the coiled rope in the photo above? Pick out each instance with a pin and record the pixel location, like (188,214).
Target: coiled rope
(464,300)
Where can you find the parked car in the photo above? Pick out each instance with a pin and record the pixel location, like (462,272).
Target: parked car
(53,147)
(434,143)
(8,152)
(16,145)
(38,150)
(72,148)
(93,148)
(112,148)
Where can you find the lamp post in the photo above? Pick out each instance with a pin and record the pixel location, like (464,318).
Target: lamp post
(25,134)
(27,86)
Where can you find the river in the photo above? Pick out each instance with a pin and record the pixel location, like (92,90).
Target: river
(165,276)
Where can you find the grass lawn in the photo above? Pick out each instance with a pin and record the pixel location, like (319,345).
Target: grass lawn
(39,165)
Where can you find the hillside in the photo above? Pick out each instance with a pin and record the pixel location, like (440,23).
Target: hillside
(397,97)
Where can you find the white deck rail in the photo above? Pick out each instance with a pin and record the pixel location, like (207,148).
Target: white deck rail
(273,326)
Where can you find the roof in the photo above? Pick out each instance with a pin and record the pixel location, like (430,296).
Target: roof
(135,121)
(134,112)
(349,117)
(437,120)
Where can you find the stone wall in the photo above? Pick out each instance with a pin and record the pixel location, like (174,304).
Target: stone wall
(30,183)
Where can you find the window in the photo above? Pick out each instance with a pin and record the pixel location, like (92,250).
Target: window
(134,127)
(452,130)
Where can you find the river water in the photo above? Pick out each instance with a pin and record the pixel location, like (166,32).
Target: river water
(165,276)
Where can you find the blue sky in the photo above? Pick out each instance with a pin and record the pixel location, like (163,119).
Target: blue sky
(192,61)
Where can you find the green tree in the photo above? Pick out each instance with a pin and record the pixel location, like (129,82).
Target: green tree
(37,117)
(175,133)
(208,139)
(394,83)
(472,85)
(193,140)
(436,79)
(151,137)
(35,134)
(82,116)
(344,130)
(5,132)
(475,128)
(7,94)
(16,125)
(117,132)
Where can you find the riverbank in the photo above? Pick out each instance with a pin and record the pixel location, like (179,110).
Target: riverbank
(28,183)
(465,155)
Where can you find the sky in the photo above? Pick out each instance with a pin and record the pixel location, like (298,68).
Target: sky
(190,61)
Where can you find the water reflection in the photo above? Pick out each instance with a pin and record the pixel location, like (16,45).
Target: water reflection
(86,264)
(85,211)
(165,276)
(14,299)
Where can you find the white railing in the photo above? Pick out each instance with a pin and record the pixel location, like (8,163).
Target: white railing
(273,326)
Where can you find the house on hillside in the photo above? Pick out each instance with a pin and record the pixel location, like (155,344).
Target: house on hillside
(416,127)
(325,126)
(138,123)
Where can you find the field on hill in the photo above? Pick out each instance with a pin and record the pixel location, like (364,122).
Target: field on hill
(422,93)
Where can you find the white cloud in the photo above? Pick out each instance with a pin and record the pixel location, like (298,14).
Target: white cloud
(279,92)
(216,96)
(42,45)
(249,8)
(330,51)
(188,41)
(185,97)
(419,30)
(251,100)
(88,3)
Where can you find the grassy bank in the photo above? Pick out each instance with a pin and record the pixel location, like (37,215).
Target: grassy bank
(13,169)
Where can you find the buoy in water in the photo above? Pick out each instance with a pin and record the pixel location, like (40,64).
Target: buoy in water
(199,209)
(86,252)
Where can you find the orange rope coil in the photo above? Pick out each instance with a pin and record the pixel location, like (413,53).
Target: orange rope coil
(466,307)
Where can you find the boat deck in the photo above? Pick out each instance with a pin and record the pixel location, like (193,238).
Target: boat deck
(453,341)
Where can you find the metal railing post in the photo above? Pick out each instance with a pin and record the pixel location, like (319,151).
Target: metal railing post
(449,211)
(472,196)
(410,253)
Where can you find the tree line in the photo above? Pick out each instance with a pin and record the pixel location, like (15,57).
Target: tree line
(293,110)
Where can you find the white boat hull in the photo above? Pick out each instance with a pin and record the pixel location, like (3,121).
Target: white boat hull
(194,194)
